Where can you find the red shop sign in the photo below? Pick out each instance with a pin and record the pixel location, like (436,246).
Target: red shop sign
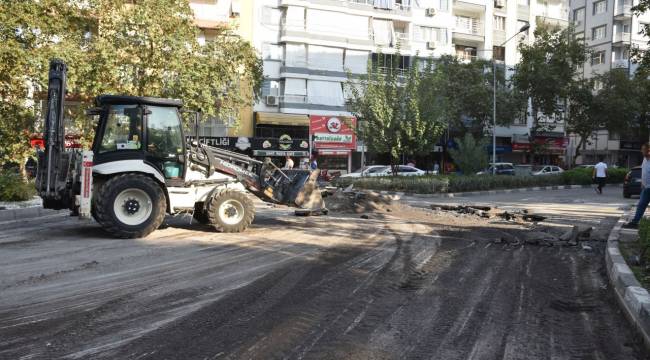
(332,132)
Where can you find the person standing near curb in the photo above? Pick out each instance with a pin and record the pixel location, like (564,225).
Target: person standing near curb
(644,198)
(600,174)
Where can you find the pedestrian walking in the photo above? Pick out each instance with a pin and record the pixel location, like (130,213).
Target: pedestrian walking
(644,199)
(288,163)
(313,164)
(600,174)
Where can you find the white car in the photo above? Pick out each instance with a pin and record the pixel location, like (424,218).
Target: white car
(402,170)
(547,170)
(371,170)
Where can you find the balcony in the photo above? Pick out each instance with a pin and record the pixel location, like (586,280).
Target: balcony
(621,64)
(304,101)
(474,6)
(468,29)
(556,17)
(623,11)
(368,5)
(621,38)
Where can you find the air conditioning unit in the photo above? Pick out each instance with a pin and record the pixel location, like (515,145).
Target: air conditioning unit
(499,3)
(271,100)
(431,45)
(431,12)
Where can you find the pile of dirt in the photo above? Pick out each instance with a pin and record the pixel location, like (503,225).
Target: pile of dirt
(358,202)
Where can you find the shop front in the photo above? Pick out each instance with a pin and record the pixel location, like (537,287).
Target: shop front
(240,144)
(278,135)
(551,150)
(334,139)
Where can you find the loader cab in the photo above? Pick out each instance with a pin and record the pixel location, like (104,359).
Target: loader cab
(141,129)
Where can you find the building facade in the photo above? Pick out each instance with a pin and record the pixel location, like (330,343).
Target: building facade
(308,47)
(610,31)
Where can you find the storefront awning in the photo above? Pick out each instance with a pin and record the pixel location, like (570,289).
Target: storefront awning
(282,119)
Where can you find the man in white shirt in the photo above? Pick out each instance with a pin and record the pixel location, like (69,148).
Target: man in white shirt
(600,175)
(288,164)
(644,198)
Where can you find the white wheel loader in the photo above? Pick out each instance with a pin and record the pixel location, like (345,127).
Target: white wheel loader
(141,167)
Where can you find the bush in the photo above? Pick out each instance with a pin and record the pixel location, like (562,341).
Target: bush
(584,176)
(644,240)
(14,188)
(461,183)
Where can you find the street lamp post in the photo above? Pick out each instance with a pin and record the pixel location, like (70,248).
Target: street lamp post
(494,101)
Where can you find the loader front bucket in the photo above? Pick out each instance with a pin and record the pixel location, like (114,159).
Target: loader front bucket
(309,198)
(300,189)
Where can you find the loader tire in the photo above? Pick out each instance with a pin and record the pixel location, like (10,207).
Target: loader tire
(130,206)
(200,214)
(230,210)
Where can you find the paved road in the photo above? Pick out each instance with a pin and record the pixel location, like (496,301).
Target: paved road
(407,284)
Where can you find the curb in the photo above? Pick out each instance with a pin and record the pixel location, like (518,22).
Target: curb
(25,213)
(633,299)
(492,192)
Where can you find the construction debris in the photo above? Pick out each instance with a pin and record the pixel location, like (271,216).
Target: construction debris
(488,212)
(576,234)
(360,202)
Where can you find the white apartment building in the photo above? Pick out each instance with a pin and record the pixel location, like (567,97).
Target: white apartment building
(309,45)
(610,30)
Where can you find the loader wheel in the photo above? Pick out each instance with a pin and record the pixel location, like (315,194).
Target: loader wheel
(230,210)
(130,206)
(200,214)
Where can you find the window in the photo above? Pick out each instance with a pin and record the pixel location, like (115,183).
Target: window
(598,85)
(272,51)
(441,5)
(123,129)
(598,57)
(599,33)
(523,2)
(424,33)
(499,53)
(614,136)
(499,23)
(578,15)
(600,7)
(270,87)
(164,138)
(271,16)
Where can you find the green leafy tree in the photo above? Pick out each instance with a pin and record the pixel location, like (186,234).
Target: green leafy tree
(580,119)
(470,156)
(546,75)
(394,118)
(147,48)
(465,94)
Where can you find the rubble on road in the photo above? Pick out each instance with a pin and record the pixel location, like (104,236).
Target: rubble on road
(349,201)
(489,212)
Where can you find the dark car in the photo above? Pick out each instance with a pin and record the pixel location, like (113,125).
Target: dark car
(632,183)
(501,169)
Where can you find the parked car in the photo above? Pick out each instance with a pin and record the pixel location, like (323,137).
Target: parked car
(370,170)
(632,183)
(585,166)
(501,169)
(402,170)
(547,170)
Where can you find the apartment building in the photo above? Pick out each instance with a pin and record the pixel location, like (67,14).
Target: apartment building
(309,45)
(610,30)
(210,16)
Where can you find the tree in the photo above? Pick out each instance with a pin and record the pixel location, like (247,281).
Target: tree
(579,119)
(147,48)
(546,74)
(394,118)
(464,93)
(470,155)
